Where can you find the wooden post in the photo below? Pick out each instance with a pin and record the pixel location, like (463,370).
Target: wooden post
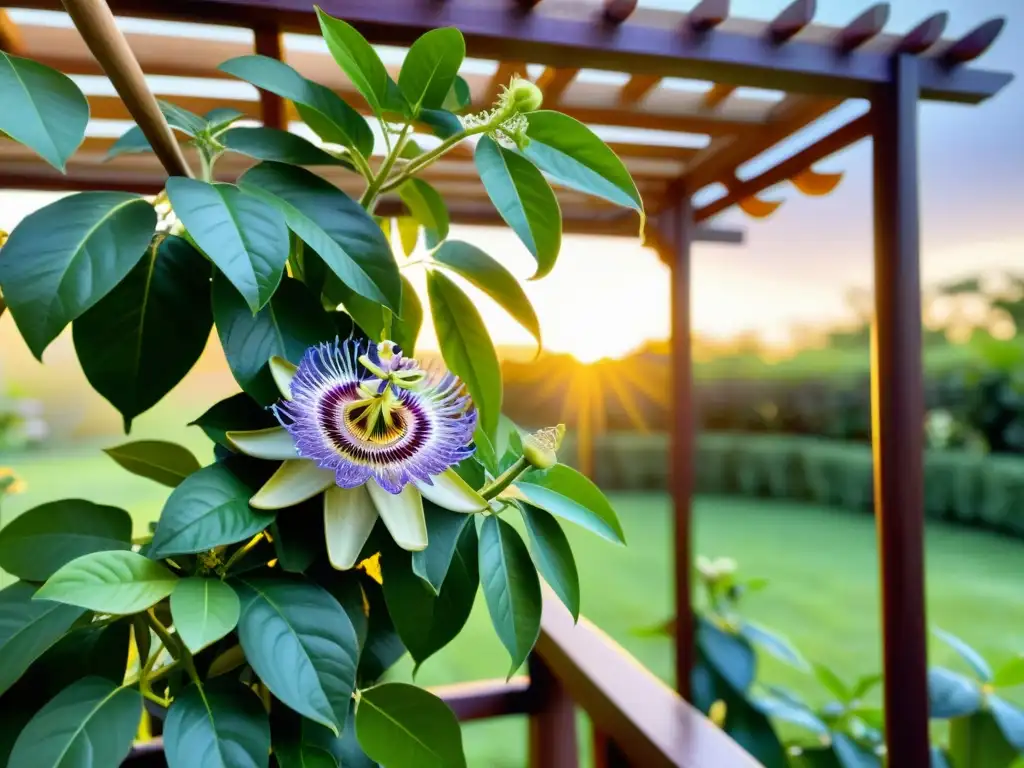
(607,753)
(898,414)
(96,24)
(272,107)
(552,720)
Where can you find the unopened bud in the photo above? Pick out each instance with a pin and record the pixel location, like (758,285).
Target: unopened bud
(541,448)
(524,96)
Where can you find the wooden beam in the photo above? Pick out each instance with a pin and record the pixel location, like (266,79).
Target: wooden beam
(552,735)
(867,25)
(717,94)
(974,43)
(553,82)
(707,15)
(924,35)
(636,88)
(273,111)
(10,36)
(502,77)
(795,17)
(617,11)
(484,699)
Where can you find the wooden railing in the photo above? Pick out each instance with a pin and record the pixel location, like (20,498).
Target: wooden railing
(639,722)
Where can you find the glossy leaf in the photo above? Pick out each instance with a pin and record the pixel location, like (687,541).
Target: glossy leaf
(373,319)
(972,657)
(572,154)
(428,208)
(91,724)
(731,656)
(951,695)
(358,60)
(28,628)
(289,324)
(460,96)
(43,109)
(187,122)
(135,345)
(853,755)
(301,644)
(238,412)
(219,119)
(116,582)
(166,463)
(265,143)
(246,238)
(405,330)
(431,66)
(298,537)
(65,257)
(466,346)
(178,118)
(1007,676)
(408,233)
(493,279)
(130,142)
(443,531)
(523,199)
(553,556)
(1010,720)
(320,107)
(401,725)
(776,645)
(34,545)
(204,611)
(343,234)
(210,509)
(791,712)
(566,493)
(511,588)
(831,681)
(222,725)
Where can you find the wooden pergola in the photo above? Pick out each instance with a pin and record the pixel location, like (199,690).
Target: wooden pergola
(816,68)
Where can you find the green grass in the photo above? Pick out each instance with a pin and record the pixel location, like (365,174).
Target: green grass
(822,565)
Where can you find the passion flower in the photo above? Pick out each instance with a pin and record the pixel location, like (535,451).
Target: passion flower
(372,431)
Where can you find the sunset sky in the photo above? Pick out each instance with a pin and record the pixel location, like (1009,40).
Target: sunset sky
(606,296)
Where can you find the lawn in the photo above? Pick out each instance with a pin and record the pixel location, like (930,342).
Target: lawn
(821,564)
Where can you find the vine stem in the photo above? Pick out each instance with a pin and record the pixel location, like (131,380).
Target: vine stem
(505,479)
(419,163)
(373,189)
(174,646)
(238,554)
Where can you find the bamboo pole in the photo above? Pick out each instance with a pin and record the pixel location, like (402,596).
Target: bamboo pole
(95,22)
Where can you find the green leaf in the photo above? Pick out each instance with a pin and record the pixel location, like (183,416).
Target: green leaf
(281,146)
(974,660)
(222,725)
(402,726)
(300,754)
(443,531)
(1009,675)
(373,319)
(978,741)
(442,122)
(466,346)
(89,725)
(523,199)
(431,67)
(320,107)
(43,109)
(246,238)
(511,588)
(553,556)
(573,155)
(38,542)
(864,685)
(359,61)
(135,344)
(731,656)
(485,453)
(236,413)
(219,119)
(299,536)
(28,628)
(493,279)
(343,234)
(951,695)
(408,233)
(210,509)
(831,681)
(566,493)
(130,142)
(459,97)
(426,206)
(185,121)
(406,329)
(204,611)
(791,711)
(65,257)
(301,644)
(179,118)
(776,645)
(116,582)
(166,463)
(287,326)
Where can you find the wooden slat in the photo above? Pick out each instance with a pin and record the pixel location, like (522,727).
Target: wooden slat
(867,25)
(10,36)
(707,15)
(484,699)
(273,111)
(795,17)
(974,43)
(502,77)
(637,87)
(553,82)
(924,35)
(617,11)
(718,93)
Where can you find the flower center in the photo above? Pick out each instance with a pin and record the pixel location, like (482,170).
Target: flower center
(380,420)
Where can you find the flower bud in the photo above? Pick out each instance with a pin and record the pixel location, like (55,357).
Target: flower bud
(524,96)
(540,449)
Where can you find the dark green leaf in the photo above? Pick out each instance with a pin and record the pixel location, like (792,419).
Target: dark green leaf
(65,257)
(459,97)
(566,493)
(220,118)
(1010,720)
(291,322)
(210,509)
(180,118)
(347,750)
(117,582)
(553,556)
(298,754)
(790,712)
(166,463)
(38,542)
(968,654)
(431,66)
(485,453)
(89,725)
(238,412)
(491,278)
(344,235)
(299,536)
(977,741)
(301,644)
(443,531)
(853,755)
(511,588)
(864,685)
(135,345)
(204,610)
(321,108)
(222,725)
(43,109)
(442,122)
(575,157)
(402,726)
(731,656)
(406,329)
(951,695)
(27,628)
(281,146)
(382,646)
(524,200)
(358,60)
(466,346)
(426,205)
(244,236)
(131,141)
(776,645)
(373,319)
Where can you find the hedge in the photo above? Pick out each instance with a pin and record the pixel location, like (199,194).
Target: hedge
(969,488)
